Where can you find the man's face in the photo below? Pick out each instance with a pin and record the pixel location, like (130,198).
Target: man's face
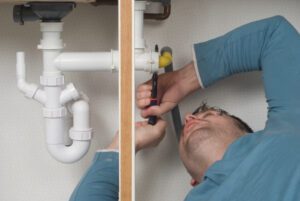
(205,138)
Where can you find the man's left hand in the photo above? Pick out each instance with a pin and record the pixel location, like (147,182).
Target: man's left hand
(145,135)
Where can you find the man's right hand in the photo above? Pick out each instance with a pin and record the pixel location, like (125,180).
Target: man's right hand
(172,88)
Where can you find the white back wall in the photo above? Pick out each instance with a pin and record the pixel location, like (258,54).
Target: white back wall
(27,171)
(160,174)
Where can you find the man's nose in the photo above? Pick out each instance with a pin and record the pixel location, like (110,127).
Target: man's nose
(189,117)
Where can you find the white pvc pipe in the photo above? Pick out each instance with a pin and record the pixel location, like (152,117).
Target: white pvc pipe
(54,110)
(139,42)
(48,63)
(51,45)
(104,61)
(30,90)
(88,61)
(146,61)
(80,133)
(68,94)
(53,97)
(81,116)
(21,69)
(70,154)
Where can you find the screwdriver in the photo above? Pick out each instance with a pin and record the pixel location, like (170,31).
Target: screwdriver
(154,101)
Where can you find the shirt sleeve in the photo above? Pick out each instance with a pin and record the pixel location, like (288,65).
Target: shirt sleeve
(101,181)
(271,45)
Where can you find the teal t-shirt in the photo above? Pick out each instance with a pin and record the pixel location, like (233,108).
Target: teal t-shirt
(265,165)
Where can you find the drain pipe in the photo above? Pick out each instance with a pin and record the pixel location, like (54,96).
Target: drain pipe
(54,99)
(175,111)
(54,110)
(145,60)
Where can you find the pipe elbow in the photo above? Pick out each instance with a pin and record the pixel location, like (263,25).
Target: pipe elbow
(69,154)
(28,89)
(81,106)
(21,84)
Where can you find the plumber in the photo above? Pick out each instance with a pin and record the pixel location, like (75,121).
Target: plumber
(226,160)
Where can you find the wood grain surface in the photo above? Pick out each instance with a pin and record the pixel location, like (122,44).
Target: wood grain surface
(126,76)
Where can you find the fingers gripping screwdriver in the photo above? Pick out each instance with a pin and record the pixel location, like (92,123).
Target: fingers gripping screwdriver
(154,101)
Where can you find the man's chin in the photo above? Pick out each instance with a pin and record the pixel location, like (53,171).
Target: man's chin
(196,138)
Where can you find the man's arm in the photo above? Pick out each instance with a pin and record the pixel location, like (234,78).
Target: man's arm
(172,88)
(271,45)
(101,181)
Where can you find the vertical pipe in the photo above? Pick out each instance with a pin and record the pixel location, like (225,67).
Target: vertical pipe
(21,70)
(48,63)
(53,97)
(139,42)
(54,112)
(51,45)
(175,111)
(81,115)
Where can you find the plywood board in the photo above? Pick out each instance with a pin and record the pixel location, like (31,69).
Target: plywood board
(126,104)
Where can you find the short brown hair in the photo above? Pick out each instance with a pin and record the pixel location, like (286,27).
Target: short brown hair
(238,122)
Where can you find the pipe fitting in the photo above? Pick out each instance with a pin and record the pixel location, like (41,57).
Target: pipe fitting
(51,36)
(52,81)
(68,94)
(53,113)
(29,90)
(71,154)
(165,59)
(147,61)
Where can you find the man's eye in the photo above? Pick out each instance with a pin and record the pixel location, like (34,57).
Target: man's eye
(207,114)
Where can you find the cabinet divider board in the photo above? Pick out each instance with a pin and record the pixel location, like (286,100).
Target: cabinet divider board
(126,100)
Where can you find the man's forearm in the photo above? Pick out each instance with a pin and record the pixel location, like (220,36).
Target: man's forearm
(187,78)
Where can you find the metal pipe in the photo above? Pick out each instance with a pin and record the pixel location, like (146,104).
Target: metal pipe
(159,16)
(175,111)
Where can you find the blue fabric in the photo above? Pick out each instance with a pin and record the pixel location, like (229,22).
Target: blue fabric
(265,165)
(101,181)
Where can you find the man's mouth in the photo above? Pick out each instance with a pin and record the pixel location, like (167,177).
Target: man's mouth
(189,124)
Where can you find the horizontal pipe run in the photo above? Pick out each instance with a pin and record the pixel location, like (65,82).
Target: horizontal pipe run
(87,61)
(104,61)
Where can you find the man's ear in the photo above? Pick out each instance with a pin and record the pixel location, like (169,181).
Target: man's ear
(194,182)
